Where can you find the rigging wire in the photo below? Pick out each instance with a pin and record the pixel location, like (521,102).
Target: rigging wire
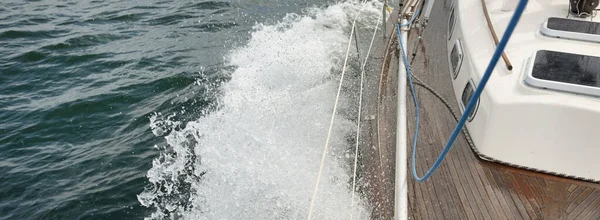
(337,98)
(356,43)
(362,76)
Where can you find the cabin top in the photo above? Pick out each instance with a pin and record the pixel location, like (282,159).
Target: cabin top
(533,33)
(548,105)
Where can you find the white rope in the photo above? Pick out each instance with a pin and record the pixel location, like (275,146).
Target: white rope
(314,195)
(362,75)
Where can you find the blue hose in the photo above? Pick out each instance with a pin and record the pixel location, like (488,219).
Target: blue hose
(486,76)
(413,17)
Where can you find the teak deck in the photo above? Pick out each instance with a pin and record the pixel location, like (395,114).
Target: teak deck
(464,187)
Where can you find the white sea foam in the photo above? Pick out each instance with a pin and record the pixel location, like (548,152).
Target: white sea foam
(257,156)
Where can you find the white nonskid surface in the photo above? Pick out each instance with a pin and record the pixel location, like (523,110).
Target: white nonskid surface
(515,122)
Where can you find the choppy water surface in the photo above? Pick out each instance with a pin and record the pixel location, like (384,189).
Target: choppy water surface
(174,109)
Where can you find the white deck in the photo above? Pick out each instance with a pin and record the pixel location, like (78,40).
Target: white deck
(516,123)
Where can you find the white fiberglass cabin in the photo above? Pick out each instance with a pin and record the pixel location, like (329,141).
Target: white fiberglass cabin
(541,107)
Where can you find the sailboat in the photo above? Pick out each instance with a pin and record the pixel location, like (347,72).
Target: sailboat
(529,145)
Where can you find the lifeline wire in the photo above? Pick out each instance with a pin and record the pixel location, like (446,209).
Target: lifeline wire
(337,97)
(362,76)
(486,76)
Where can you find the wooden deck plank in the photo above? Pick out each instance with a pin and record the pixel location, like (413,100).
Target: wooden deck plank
(445,169)
(596,213)
(459,200)
(474,177)
(578,200)
(535,189)
(494,199)
(592,208)
(429,199)
(510,214)
(433,189)
(465,187)
(452,193)
(459,187)
(512,206)
(585,206)
(425,194)
(575,192)
(471,188)
(532,187)
(525,197)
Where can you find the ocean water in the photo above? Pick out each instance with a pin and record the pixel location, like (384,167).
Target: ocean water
(177,109)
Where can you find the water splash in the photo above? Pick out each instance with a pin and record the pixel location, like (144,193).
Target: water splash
(257,155)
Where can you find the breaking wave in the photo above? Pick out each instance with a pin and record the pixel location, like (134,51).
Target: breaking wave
(257,154)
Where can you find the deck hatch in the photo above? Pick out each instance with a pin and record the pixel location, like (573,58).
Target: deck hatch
(562,71)
(572,29)
(456,58)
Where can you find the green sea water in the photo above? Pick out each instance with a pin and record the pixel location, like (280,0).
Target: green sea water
(92,92)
